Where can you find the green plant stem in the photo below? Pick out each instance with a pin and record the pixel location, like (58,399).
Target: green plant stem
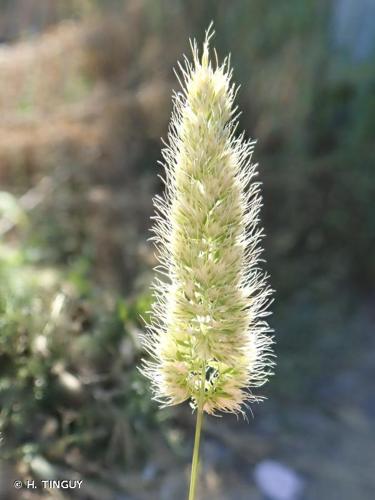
(197,438)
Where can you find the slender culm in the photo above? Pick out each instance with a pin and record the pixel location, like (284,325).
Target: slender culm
(208,339)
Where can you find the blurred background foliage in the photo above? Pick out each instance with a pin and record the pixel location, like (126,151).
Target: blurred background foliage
(85,96)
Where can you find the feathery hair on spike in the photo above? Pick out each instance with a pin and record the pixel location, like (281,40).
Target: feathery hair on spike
(208,339)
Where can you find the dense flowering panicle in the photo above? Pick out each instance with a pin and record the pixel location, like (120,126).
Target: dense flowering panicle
(207,325)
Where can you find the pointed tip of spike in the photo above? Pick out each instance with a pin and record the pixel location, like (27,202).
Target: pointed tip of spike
(210,32)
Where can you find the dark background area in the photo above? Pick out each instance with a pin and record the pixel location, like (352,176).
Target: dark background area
(85,95)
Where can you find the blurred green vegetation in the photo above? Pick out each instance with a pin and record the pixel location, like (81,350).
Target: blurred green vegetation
(68,351)
(75,268)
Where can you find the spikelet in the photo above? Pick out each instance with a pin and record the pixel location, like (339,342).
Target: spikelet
(207,322)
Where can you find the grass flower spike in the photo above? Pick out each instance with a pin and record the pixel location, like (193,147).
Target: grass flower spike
(208,339)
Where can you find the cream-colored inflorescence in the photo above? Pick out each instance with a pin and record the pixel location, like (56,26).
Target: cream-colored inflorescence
(207,323)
